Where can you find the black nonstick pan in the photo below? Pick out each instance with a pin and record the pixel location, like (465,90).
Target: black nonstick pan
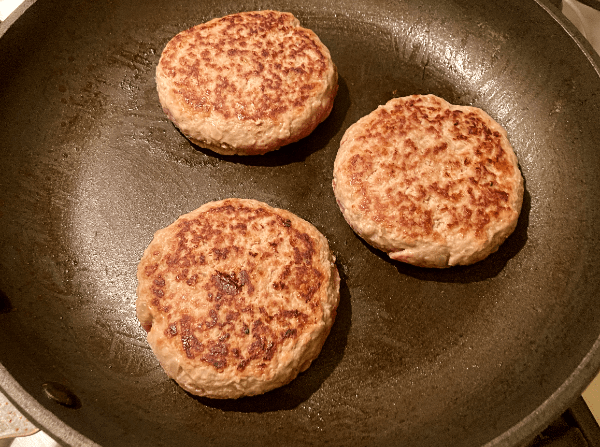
(90,168)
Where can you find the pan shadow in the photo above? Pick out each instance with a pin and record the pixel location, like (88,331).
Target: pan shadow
(480,271)
(300,150)
(308,382)
(5,304)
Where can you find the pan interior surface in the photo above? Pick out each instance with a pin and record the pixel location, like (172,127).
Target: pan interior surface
(91,168)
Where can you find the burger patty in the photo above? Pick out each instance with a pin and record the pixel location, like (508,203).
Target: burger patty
(246,83)
(237,297)
(430,183)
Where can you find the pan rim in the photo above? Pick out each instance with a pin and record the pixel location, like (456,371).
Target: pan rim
(558,402)
(39,415)
(564,396)
(585,47)
(13,16)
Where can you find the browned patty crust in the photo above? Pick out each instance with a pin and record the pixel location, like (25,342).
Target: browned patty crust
(431,183)
(238,297)
(247,83)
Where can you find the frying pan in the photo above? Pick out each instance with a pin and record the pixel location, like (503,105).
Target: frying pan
(90,168)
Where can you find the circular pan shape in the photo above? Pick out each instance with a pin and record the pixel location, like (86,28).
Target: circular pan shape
(237,297)
(430,183)
(247,83)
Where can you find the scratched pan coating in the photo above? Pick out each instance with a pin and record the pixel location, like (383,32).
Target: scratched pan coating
(91,168)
